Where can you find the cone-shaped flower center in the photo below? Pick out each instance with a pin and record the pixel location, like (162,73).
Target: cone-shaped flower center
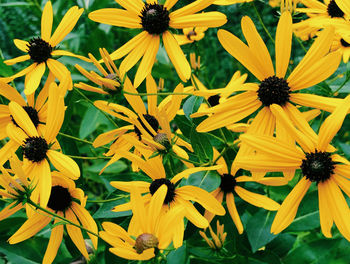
(162,139)
(155,19)
(214,100)
(344,43)
(60,199)
(35,148)
(334,10)
(145,241)
(171,189)
(318,166)
(32,113)
(39,50)
(152,121)
(228,183)
(274,90)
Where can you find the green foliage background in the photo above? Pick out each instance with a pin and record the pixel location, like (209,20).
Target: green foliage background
(301,242)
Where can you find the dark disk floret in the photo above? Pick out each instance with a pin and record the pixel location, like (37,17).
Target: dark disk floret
(60,199)
(39,50)
(344,43)
(35,148)
(171,189)
(334,10)
(214,100)
(152,121)
(155,19)
(274,90)
(318,166)
(228,183)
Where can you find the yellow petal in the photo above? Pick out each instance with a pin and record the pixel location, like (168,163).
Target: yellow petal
(326,219)
(17,59)
(21,44)
(155,208)
(116,17)
(54,243)
(176,56)
(207,19)
(22,119)
(64,164)
(46,22)
(257,199)
(231,206)
(33,78)
(43,172)
(192,8)
(286,214)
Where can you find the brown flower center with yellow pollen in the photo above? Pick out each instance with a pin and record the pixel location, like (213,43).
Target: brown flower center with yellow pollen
(60,199)
(32,113)
(39,50)
(191,34)
(35,148)
(155,19)
(155,185)
(318,166)
(228,183)
(344,43)
(274,90)
(334,10)
(151,120)
(145,241)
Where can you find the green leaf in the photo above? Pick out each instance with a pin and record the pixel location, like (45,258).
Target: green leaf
(191,105)
(207,180)
(201,146)
(282,244)
(184,125)
(258,229)
(105,210)
(116,167)
(178,256)
(92,119)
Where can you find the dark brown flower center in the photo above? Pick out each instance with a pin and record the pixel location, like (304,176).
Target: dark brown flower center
(228,183)
(39,50)
(155,19)
(274,90)
(60,199)
(214,100)
(151,120)
(35,148)
(334,10)
(171,189)
(32,113)
(318,166)
(344,43)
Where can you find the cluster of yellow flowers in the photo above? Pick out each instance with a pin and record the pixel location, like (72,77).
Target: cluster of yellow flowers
(276,138)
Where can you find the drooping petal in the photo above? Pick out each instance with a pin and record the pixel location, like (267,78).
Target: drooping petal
(22,119)
(54,243)
(64,164)
(326,218)
(231,206)
(33,78)
(17,59)
(257,199)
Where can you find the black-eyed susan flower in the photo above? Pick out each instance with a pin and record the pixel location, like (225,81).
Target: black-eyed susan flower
(147,125)
(36,108)
(190,35)
(155,20)
(67,201)
(109,82)
(38,147)
(317,65)
(42,49)
(176,196)
(318,164)
(232,185)
(342,43)
(149,228)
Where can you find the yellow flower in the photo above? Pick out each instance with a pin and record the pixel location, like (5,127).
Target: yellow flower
(176,196)
(231,184)
(35,108)
(38,147)
(63,201)
(156,21)
(218,239)
(41,49)
(109,83)
(149,228)
(190,35)
(318,164)
(342,43)
(148,126)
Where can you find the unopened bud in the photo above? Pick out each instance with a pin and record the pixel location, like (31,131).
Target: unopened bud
(162,139)
(145,241)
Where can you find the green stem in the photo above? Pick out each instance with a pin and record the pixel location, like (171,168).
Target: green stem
(300,43)
(78,139)
(108,200)
(87,158)
(92,103)
(220,155)
(342,85)
(37,206)
(262,23)
(156,94)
